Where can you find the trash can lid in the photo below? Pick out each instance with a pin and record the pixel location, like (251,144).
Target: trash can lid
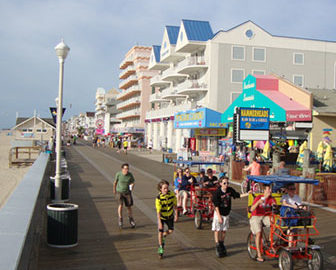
(62,206)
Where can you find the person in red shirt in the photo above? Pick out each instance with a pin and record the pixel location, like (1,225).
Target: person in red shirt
(261,208)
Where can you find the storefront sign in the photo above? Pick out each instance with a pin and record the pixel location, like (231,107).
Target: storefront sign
(99,123)
(210,132)
(254,119)
(199,118)
(300,116)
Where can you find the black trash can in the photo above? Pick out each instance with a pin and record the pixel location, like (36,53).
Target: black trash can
(65,196)
(62,227)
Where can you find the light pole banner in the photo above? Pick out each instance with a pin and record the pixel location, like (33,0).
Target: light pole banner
(53,111)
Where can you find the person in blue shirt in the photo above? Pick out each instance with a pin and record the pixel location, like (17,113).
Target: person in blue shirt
(184,188)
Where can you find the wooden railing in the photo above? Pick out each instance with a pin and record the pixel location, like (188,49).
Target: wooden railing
(23,155)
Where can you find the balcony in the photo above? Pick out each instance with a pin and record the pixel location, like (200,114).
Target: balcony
(126,62)
(129,114)
(114,120)
(126,72)
(191,65)
(128,103)
(171,93)
(172,75)
(131,80)
(126,94)
(190,46)
(192,88)
(169,111)
(156,97)
(156,81)
(169,55)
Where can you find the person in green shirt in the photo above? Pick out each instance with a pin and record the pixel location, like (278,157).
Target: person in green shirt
(122,188)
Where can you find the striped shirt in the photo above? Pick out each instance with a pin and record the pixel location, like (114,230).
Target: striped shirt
(165,204)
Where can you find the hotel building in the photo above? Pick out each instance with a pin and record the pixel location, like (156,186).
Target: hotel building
(135,91)
(199,68)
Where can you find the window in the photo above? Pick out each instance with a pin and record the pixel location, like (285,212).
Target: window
(298,58)
(151,58)
(153,90)
(181,36)
(298,80)
(237,75)
(234,96)
(44,130)
(259,54)
(30,130)
(165,44)
(39,130)
(258,72)
(24,130)
(238,53)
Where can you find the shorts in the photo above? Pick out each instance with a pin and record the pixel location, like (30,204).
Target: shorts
(216,226)
(169,222)
(125,147)
(125,197)
(182,192)
(256,223)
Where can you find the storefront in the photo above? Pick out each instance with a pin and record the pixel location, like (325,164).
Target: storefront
(205,128)
(290,106)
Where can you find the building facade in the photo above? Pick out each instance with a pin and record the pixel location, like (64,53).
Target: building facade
(135,91)
(106,111)
(198,68)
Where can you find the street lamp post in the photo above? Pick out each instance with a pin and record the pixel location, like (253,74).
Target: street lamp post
(62,51)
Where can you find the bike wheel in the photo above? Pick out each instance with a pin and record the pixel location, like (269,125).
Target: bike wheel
(316,262)
(243,186)
(251,247)
(198,219)
(285,260)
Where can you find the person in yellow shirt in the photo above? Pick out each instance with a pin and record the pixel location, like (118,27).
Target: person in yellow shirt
(125,144)
(165,204)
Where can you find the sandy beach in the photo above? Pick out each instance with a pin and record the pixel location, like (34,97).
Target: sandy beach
(9,177)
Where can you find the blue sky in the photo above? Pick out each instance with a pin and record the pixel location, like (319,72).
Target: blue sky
(99,33)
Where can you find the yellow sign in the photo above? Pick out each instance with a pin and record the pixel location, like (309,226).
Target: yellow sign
(210,132)
(190,116)
(253,113)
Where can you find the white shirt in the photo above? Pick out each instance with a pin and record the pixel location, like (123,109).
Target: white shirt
(291,200)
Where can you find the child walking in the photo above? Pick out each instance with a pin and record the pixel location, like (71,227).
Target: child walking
(222,202)
(166,213)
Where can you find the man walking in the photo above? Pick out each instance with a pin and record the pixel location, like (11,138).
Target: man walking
(122,188)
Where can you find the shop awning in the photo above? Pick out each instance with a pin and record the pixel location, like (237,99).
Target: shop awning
(263,92)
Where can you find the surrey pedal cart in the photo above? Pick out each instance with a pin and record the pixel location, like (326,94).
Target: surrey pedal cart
(289,236)
(199,204)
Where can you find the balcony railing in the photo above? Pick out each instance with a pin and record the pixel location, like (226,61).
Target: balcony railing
(129,92)
(129,70)
(171,74)
(130,113)
(169,111)
(128,82)
(135,100)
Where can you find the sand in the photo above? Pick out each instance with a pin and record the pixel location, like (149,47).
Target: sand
(9,177)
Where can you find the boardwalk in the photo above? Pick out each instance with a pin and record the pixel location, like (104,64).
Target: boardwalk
(103,246)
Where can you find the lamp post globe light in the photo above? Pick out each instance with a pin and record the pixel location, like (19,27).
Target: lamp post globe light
(61,51)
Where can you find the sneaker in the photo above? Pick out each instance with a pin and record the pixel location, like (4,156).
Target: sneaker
(132,222)
(120,223)
(218,251)
(185,212)
(160,251)
(223,248)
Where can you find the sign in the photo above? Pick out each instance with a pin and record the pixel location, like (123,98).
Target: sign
(99,123)
(210,132)
(198,118)
(298,116)
(254,119)
(99,131)
(53,111)
(303,125)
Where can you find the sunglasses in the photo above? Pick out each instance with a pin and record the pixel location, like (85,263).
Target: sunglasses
(225,183)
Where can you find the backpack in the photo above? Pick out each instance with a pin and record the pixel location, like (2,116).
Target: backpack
(287,213)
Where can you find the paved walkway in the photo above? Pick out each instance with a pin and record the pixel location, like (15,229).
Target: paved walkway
(103,246)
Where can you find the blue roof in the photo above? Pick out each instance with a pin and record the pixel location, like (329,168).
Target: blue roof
(281,179)
(172,33)
(157,49)
(197,30)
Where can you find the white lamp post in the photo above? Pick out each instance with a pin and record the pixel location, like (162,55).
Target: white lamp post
(62,51)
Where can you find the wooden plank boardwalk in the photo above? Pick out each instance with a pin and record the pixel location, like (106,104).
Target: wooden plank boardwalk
(103,246)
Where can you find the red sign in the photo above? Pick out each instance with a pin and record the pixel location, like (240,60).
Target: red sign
(298,116)
(99,131)
(192,144)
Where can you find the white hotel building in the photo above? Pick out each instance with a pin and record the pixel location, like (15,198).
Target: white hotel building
(201,69)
